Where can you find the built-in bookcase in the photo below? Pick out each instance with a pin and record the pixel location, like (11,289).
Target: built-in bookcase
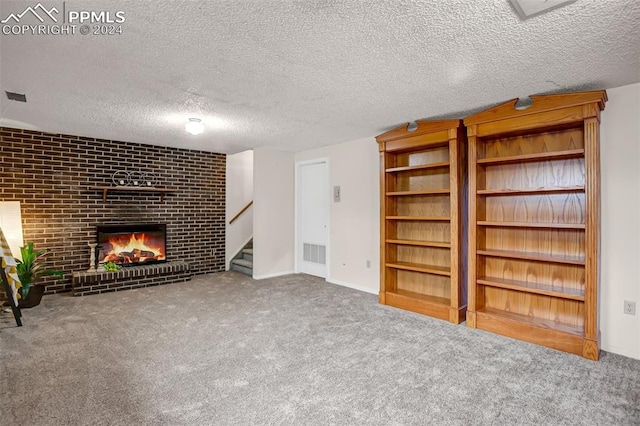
(534,221)
(422,208)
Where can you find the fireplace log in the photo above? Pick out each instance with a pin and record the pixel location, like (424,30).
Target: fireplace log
(115,258)
(127,256)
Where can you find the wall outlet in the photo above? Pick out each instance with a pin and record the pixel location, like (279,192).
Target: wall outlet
(368,264)
(629,307)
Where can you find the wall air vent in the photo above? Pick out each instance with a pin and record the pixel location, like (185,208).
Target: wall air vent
(20,97)
(314,253)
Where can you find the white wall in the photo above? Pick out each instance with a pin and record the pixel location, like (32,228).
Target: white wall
(354,222)
(273,213)
(239,187)
(620,256)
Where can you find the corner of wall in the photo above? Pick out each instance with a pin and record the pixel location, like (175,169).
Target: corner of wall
(273,214)
(620,179)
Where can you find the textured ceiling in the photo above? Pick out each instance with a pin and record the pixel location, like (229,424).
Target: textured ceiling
(294,75)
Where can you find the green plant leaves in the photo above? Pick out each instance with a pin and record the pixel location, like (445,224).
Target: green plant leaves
(33,266)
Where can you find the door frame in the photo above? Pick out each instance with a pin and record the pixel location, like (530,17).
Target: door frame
(296,221)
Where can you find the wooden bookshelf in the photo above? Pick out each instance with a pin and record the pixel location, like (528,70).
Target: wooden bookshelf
(534,204)
(422,176)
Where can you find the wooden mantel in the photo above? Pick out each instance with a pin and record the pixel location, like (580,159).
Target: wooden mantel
(106,189)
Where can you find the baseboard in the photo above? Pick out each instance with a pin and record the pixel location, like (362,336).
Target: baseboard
(277,274)
(619,351)
(353,286)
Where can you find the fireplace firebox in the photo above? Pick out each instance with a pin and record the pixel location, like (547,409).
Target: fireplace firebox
(131,245)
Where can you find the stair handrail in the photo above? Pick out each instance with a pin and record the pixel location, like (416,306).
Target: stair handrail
(244,209)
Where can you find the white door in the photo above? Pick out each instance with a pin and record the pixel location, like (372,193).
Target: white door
(312,205)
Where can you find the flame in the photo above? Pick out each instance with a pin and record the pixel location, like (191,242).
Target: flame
(139,243)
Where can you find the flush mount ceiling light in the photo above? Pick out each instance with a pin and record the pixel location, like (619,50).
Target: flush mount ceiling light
(530,8)
(194,126)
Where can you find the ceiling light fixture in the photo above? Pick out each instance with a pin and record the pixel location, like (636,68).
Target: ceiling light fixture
(530,8)
(194,126)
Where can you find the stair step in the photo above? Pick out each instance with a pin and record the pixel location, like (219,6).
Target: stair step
(243,266)
(243,262)
(247,254)
(242,270)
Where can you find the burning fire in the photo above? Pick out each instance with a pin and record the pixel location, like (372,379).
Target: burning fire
(138,247)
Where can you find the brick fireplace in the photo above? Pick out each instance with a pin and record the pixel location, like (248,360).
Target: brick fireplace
(51,175)
(132,244)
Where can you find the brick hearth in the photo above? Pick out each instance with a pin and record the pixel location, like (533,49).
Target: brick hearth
(86,283)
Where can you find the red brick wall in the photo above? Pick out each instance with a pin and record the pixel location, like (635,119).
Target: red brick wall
(51,174)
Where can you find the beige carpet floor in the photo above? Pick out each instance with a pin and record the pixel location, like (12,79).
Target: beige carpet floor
(226,350)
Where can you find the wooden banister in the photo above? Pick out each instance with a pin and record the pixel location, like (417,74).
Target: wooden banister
(244,209)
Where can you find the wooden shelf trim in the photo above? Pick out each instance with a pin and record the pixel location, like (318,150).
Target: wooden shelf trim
(440,165)
(442,301)
(525,191)
(436,307)
(424,192)
(536,257)
(417,267)
(540,111)
(532,225)
(553,155)
(535,288)
(533,321)
(106,189)
(421,218)
(419,243)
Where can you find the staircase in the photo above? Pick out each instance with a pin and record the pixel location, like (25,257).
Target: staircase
(243,262)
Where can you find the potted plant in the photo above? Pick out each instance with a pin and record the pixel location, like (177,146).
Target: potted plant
(30,268)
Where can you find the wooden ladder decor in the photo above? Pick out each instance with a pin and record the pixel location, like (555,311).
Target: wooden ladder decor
(15,309)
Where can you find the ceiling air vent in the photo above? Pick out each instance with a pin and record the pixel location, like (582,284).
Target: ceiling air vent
(20,97)
(530,8)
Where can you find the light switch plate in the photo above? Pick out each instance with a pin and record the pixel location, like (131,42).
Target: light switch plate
(336,194)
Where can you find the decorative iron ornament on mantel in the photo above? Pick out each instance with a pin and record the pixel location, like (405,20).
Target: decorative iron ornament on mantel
(135,178)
